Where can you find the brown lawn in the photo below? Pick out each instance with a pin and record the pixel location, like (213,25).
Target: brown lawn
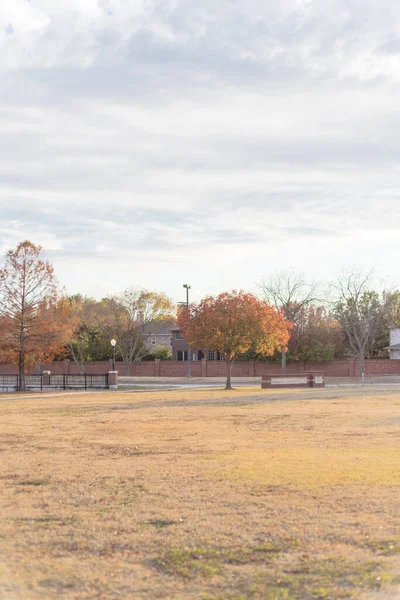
(201,494)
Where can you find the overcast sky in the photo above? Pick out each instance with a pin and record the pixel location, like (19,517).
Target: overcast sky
(153,143)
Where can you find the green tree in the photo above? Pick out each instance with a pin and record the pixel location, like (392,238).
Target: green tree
(317,337)
(390,317)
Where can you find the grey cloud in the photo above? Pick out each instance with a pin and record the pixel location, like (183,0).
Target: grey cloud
(309,231)
(391,46)
(320,161)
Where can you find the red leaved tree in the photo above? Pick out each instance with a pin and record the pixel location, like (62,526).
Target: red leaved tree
(233,323)
(35,322)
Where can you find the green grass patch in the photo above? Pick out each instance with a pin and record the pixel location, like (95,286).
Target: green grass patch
(206,562)
(189,562)
(383,547)
(333,577)
(160,523)
(48,519)
(33,482)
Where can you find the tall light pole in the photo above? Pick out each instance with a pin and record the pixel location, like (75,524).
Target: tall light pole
(113,343)
(185,285)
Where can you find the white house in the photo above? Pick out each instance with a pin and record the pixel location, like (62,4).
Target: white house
(394,341)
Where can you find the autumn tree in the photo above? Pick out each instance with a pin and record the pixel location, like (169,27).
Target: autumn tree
(232,323)
(34,320)
(317,336)
(292,294)
(125,318)
(84,342)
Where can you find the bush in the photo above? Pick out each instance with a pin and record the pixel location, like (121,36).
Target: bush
(161,352)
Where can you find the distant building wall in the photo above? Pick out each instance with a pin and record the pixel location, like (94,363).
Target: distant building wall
(394,339)
(153,340)
(394,336)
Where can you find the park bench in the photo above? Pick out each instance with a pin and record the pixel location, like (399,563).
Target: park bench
(298,380)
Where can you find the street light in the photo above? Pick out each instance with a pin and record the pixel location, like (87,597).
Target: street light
(185,285)
(113,343)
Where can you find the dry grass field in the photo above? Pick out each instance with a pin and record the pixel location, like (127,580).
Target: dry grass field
(201,494)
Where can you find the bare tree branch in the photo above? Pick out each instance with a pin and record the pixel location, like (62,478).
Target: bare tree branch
(358,308)
(290,292)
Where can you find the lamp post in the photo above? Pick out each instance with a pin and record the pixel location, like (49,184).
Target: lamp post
(113,343)
(185,285)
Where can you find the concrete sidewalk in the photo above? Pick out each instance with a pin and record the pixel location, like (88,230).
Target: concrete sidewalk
(186,382)
(212,382)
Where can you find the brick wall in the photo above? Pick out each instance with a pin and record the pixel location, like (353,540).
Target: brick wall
(204,368)
(175,368)
(379,367)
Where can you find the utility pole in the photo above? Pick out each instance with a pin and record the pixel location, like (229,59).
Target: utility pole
(185,285)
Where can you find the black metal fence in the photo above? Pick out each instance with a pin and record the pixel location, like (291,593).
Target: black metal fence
(59,382)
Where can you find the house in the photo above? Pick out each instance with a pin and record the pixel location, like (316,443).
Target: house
(158,333)
(180,349)
(394,341)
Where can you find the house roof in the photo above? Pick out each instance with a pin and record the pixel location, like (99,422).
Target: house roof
(159,327)
(394,347)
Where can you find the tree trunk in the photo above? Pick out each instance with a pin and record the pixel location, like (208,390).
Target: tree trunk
(79,361)
(21,370)
(228,375)
(283,363)
(361,358)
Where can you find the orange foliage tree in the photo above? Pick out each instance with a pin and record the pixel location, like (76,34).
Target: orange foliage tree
(35,322)
(233,323)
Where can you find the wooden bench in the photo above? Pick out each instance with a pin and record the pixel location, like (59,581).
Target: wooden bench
(299,380)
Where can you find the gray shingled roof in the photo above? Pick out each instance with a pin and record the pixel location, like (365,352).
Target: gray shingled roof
(159,327)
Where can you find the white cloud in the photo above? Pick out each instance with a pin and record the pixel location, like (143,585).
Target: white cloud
(157,141)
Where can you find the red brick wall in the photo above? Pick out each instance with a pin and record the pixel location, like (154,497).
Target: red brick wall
(6,369)
(174,368)
(331,368)
(379,367)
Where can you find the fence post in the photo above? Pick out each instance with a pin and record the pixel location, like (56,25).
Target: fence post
(112,380)
(85,381)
